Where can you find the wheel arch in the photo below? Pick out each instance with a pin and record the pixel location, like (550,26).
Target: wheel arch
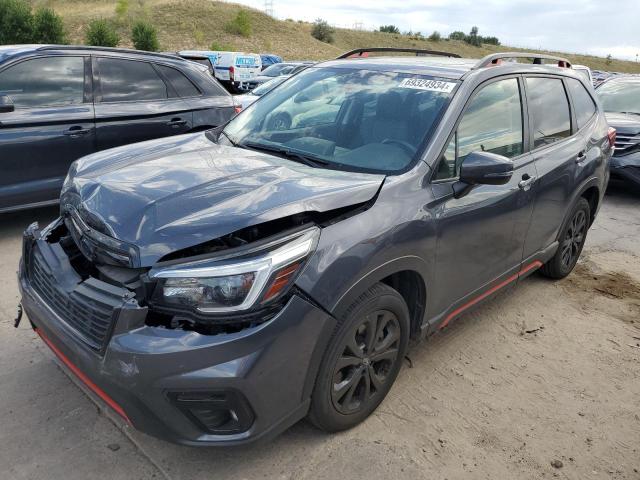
(406,275)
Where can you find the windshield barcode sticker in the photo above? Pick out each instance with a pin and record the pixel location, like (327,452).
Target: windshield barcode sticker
(430,85)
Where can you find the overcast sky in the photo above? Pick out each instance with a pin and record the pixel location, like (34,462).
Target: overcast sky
(598,27)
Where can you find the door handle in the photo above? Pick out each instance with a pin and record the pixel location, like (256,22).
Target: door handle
(176,122)
(77,131)
(525,183)
(581,157)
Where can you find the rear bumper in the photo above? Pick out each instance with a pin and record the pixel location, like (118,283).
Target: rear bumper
(268,370)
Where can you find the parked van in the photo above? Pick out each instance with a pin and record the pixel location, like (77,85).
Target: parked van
(232,69)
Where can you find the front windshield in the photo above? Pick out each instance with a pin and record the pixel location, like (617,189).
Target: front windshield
(267,86)
(345,118)
(620,95)
(277,70)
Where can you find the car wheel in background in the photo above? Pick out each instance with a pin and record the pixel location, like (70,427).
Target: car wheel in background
(362,360)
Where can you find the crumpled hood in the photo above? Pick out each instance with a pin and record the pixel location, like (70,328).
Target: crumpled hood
(169,194)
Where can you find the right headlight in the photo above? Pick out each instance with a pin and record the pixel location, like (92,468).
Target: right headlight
(238,282)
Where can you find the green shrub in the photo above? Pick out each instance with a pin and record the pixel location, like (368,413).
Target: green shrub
(145,37)
(322,31)
(240,25)
(16,22)
(435,36)
(48,27)
(102,34)
(219,47)
(122,7)
(389,29)
(457,35)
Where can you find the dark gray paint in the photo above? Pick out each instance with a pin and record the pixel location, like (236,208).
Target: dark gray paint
(177,192)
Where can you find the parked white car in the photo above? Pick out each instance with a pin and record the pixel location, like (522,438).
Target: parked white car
(585,72)
(247,99)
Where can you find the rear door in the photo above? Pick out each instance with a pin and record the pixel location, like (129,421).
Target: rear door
(480,235)
(52,125)
(559,153)
(134,103)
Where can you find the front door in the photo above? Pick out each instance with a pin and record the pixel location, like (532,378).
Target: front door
(481,234)
(51,125)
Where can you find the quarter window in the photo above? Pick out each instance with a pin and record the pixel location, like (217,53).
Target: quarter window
(129,80)
(182,85)
(42,82)
(549,110)
(583,104)
(491,123)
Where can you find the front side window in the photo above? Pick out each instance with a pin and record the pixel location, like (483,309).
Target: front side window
(583,104)
(129,80)
(491,123)
(549,110)
(345,118)
(43,82)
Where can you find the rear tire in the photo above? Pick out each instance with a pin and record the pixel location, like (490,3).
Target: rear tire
(362,360)
(572,238)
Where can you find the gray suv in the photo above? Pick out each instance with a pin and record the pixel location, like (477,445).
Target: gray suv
(215,288)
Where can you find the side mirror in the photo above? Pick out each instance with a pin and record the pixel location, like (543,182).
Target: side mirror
(6,104)
(484,168)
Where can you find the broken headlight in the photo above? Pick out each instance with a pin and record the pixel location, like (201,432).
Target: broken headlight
(239,281)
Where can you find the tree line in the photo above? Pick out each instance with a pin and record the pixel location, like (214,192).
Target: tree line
(472,38)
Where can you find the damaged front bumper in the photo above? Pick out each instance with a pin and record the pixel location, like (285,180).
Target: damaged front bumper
(178,385)
(626,167)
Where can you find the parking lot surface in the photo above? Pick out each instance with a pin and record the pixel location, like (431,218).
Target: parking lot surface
(547,373)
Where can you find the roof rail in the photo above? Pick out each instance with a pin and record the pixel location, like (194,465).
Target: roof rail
(106,49)
(360,52)
(495,58)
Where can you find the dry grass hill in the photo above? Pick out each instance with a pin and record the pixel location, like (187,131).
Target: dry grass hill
(196,24)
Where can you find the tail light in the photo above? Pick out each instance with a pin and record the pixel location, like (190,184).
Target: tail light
(231,72)
(611,135)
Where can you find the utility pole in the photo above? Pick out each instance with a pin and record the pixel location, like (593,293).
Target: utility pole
(268,7)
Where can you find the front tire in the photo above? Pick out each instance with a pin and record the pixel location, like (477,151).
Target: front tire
(572,239)
(362,360)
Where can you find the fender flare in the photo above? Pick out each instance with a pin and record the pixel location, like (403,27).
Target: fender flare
(406,263)
(587,184)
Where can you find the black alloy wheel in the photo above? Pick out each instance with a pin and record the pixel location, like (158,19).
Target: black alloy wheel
(570,242)
(370,351)
(573,241)
(362,359)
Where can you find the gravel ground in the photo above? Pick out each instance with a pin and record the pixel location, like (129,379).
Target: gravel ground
(541,382)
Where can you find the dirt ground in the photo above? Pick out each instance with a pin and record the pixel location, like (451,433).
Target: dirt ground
(547,372)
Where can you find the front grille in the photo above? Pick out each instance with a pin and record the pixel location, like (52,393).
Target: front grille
(90,308)
(626,142)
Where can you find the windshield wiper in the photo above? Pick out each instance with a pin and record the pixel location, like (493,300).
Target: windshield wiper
(222,132)
(631,113)
(301,157)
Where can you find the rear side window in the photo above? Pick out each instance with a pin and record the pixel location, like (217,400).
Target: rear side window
(129,80)
(43,82)
(583,104)
(182,85)
(549,110)
(491,123)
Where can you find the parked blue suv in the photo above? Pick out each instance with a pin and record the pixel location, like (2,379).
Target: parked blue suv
(59,103)
(215,288)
